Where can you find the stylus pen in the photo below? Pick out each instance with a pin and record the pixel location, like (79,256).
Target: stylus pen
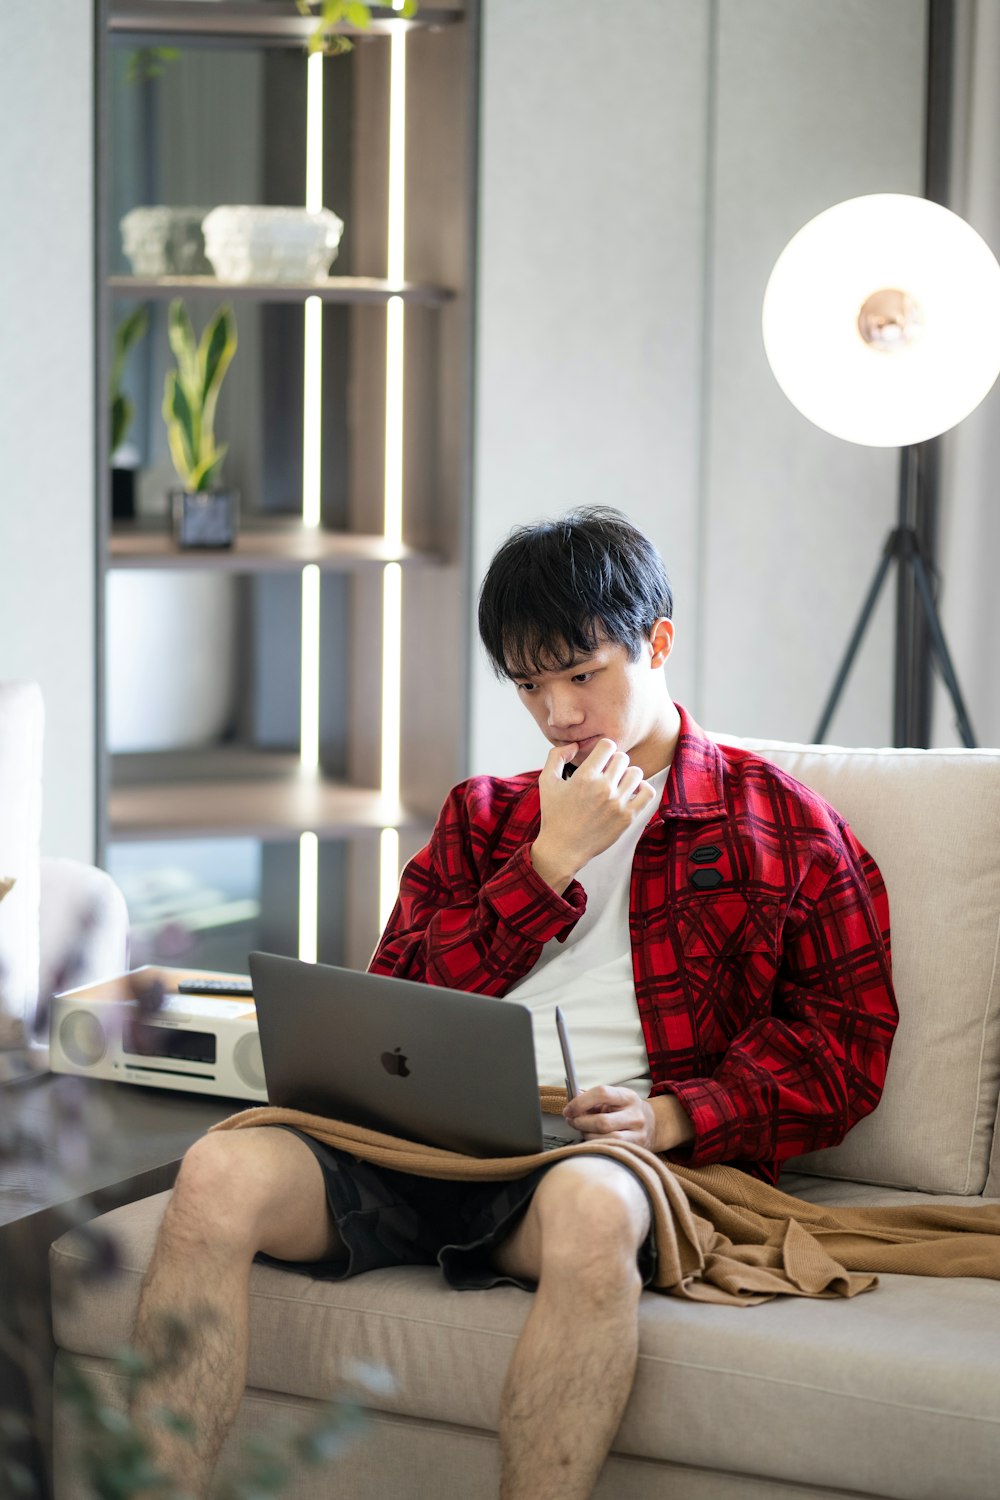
(572,1087)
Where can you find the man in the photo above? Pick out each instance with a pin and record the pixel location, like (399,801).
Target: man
(718,940)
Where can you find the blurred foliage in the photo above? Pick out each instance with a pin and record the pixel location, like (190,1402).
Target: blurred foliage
(113,1452)
(149,62)
(334,13)
(115,1462)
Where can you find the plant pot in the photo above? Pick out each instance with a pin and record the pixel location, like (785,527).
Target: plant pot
(122,494)
(206,518)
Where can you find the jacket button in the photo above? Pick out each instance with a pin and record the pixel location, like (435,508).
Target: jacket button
(706,880)
(707,854)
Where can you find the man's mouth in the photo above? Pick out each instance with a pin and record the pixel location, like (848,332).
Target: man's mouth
(584,746)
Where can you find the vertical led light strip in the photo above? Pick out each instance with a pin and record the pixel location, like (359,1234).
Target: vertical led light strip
(308,896)
(392,630)
(312,397)
(309,726)
(313,360)
(395,262)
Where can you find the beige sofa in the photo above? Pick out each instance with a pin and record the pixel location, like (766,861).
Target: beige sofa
(896,1393)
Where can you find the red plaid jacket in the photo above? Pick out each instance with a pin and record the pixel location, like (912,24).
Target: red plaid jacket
(760,943)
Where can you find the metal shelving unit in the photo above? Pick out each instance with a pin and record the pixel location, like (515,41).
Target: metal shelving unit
(358,291)
(253,794)
(253,23)
(264,547)
(239,789)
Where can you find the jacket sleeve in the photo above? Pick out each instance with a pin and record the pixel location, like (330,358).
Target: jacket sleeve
(798,1079)
(461,923)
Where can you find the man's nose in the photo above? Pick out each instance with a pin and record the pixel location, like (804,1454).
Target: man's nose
(564,709)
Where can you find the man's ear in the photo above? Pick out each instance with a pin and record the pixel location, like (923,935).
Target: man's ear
(661,639)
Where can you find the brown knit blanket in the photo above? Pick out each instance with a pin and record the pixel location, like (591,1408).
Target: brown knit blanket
(721,1235)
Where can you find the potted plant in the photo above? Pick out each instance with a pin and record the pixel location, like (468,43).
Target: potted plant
(204,515)
(332,13)
(128,332)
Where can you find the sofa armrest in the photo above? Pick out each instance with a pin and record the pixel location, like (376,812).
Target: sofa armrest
(83,925)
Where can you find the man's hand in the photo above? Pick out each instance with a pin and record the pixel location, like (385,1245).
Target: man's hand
(585,815)
(617,1114)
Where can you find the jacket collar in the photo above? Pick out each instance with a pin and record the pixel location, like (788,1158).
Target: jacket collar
(694,786)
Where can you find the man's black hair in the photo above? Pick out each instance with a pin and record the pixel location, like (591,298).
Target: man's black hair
(556,590)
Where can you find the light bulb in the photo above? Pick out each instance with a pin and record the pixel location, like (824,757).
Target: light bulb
(881,320)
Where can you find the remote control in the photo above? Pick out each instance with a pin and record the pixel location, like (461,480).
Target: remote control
(215,987)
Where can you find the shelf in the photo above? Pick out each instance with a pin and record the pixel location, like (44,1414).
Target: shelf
(262,548)
(229,792)
(244,23)
(357,290)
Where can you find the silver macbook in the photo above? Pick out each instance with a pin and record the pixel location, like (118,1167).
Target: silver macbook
(433,1065)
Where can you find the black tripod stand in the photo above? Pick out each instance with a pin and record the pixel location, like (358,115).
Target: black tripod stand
(903,544)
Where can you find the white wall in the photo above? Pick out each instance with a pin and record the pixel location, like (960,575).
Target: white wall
(815,103)
(636,186)
(592,213)
(46,393)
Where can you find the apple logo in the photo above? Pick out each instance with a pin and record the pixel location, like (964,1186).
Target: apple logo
(395,1062)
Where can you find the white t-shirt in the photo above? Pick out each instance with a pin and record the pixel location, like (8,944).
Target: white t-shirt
(590,976)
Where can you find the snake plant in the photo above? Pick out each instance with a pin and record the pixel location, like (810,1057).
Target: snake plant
(191,392)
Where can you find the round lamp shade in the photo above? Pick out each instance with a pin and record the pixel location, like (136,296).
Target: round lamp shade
(881,320)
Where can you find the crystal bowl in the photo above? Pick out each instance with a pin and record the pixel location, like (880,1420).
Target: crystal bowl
(250,243)
(162,241)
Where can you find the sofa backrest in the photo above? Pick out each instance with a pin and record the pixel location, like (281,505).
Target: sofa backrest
(21,724)
(931,821)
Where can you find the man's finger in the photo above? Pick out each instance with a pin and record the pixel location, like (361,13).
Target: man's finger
(557,760)
(599,756)
(600,1097)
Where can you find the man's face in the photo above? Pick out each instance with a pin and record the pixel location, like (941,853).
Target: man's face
(603,695)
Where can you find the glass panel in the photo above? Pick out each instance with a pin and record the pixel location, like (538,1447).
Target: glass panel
(193,903)
(207,903)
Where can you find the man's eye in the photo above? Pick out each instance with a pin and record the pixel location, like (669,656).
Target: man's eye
(525,687)
(582,676)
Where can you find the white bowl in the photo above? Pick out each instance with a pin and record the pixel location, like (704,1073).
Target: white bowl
(162,241)
(246,242)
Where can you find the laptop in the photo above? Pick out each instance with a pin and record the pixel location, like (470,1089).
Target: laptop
(433,1065)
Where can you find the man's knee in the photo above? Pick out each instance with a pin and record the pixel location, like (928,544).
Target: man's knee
(593,1219)
(222,1191)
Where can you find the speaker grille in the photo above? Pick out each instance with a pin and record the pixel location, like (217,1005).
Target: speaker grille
(82,1038)
(248,1062)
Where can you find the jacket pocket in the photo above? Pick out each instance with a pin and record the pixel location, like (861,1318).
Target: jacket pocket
(728,947)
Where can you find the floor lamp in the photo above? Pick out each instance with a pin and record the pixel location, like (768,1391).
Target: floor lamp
(881,323)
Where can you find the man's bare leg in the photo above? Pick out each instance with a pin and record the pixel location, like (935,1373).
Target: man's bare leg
(574,1364)
(236,1193)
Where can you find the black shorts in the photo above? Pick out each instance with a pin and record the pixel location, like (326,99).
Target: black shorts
(388,1218)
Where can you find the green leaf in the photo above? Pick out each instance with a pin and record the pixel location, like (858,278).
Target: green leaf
(149,62)
(215,353)
(182,342)
(177,1422)
(180,436)
(359,14)
(122,412)
(208,471)
(128,331)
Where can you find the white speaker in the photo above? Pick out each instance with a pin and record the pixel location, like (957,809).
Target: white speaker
(200,1044)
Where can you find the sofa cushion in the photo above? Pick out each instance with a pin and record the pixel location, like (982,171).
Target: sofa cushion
(895,1393)
(21,723)
(931,820)
(992,1188)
